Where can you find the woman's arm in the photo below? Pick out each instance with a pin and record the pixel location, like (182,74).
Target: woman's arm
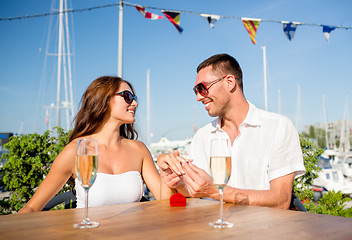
(62,168)
(171,172)
(152,178)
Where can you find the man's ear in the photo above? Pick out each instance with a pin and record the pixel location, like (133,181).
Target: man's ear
(231,83)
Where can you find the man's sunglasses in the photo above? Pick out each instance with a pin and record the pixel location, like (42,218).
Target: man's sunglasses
(127,96)
(203,88)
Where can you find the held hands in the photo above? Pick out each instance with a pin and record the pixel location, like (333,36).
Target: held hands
(181,174)
(171,169)
(198,182)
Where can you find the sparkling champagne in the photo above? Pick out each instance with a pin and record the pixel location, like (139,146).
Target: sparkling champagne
(220,168)
(86,169)
(87,166)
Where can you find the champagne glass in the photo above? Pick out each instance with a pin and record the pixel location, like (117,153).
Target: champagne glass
(86,167)
(220,169)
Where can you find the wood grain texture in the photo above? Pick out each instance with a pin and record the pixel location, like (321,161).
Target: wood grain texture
(157,220)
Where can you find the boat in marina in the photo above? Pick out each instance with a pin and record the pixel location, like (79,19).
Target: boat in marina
(333,180)
(344,163)
(336,162)
(335,169)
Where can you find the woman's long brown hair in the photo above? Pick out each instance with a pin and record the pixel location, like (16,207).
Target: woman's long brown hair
(95,104)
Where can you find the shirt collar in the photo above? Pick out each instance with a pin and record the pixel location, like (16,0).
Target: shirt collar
(252,119)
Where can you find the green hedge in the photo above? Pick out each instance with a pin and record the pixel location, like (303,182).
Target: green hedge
(28,162)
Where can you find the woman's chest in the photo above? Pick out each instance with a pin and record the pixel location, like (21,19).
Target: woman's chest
(116,162)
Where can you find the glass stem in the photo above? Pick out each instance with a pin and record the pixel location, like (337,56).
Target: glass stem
(221,203)
(86,190)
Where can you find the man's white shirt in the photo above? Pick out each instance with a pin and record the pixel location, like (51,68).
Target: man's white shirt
(266,148)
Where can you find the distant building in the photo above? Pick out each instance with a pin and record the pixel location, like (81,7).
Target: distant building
(340,131)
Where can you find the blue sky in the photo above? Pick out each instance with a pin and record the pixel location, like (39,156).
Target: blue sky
(28,74)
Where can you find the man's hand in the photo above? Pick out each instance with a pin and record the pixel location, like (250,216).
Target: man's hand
(171,169)
(171,161)
(198,182)
(171,179)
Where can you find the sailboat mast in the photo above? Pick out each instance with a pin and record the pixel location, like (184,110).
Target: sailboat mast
(195,119)
(69,62)
(65,103)
(348,145)
(265,80)
(298,114)
(344,136)
(59,57)
(64,64)
(120,41)
(326,123)
(148,109)
(279,101)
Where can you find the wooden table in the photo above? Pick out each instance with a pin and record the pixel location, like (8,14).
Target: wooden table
(157,220)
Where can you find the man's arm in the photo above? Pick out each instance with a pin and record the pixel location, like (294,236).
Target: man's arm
(199,184)
(279,195)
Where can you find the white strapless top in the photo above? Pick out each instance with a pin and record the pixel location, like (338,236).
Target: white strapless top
(110,189)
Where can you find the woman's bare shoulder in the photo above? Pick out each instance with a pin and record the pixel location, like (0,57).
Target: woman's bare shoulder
(136,143)
(68,153)
(71,147)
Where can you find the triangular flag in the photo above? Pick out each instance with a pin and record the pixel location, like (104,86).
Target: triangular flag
(212,19)
(251,24)
(327,30)
(174,18)
(148,15)
(289,29)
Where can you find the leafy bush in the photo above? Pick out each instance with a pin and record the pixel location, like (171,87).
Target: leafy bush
(28,162)
(332,203)
(301,185)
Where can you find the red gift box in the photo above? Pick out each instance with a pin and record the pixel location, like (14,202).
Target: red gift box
(177,200)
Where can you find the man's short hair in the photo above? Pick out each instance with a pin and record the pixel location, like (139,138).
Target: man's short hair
(224,64)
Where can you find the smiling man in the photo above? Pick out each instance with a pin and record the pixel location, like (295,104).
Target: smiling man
(265,152)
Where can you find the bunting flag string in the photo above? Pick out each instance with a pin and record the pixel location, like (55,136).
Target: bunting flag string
(148,15)
(251,24)
(174,18)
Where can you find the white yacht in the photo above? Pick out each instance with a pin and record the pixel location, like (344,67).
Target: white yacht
(332,175)
(344,164)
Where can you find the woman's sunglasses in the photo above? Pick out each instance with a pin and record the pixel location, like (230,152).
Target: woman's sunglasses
(203,88)
(127,96)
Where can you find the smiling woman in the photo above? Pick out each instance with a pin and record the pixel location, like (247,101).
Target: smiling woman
(107,114)
(95,106)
